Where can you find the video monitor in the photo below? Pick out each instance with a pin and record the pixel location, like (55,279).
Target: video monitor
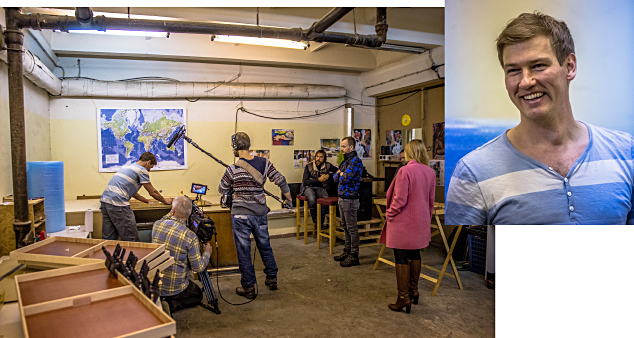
(199,189)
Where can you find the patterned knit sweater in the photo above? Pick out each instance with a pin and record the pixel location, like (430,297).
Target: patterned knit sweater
(248,195)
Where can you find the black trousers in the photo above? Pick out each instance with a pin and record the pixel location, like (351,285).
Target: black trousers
(190,297)
(401,255)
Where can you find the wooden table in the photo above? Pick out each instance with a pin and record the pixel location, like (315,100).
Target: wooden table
(439,209)
(75,210)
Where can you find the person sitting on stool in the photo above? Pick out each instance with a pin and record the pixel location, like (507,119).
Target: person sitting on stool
(316,184)
(182,244)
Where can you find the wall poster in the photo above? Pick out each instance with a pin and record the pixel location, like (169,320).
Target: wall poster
(302,157)
(126,133)
(330,146)
(283,137)
(394,140)
(363,139)
(438,150)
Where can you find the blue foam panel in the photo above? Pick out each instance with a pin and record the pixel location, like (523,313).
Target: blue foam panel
(46,179)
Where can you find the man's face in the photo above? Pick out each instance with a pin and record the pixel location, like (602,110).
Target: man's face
(401,157)
(148,165)
(345,147)
(319,159)
(535,82)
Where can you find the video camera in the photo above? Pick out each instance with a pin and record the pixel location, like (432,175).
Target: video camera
(200,224)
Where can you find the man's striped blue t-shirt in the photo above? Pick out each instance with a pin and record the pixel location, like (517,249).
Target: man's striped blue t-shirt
(125,184)
(497,184)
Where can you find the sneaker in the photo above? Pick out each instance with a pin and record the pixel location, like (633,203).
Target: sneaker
(342,256)
(271,282)
(351,260)
(248,293)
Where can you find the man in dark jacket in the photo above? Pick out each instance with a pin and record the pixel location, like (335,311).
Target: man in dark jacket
(349,178)
(316,183)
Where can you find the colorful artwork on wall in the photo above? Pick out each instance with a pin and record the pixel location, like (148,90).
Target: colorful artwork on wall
(330,146)
(363,139)
(283,137)
(394,140)
(302,157)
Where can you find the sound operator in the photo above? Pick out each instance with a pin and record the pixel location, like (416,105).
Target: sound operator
(249,210)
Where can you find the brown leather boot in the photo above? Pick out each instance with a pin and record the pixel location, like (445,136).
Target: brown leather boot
(402,282)
(414,275)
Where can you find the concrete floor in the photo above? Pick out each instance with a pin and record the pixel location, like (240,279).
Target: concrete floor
(318,298)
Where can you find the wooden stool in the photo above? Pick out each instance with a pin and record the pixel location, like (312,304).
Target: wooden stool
(332,203)
(305,223)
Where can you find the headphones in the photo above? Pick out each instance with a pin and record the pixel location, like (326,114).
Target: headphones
(233,142)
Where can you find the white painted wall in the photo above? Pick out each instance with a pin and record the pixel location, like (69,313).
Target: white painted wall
(210,122)
(37,128)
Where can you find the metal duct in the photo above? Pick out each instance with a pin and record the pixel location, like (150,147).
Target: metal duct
(39,74)
(83,15)
(65,23)
(219,90)
(327,21)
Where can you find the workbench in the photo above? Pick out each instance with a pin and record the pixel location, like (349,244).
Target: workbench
(439,209)
(149,213)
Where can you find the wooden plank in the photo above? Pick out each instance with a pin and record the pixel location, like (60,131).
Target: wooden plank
(164,265)
(67,285)
(70,301)
(144,251)
(158,260)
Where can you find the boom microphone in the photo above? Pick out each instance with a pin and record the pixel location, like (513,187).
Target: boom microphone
(176,136)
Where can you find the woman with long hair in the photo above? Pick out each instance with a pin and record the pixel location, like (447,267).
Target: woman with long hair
(410,203)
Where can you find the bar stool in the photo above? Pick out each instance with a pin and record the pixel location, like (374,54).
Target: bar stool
(332,203)
(305,223)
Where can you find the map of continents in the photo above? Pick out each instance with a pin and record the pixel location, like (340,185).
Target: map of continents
(125,134)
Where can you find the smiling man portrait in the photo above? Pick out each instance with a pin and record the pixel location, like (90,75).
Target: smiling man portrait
(550,168)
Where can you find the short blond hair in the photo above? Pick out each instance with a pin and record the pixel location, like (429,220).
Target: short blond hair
(416,150)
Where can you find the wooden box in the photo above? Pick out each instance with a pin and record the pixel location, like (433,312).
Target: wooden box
(72,301)
(7,234)
(58,252)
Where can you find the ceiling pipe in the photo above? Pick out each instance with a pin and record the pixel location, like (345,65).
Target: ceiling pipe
(83,15)
(102,23)
(210,90)
(381,24)
(328,20)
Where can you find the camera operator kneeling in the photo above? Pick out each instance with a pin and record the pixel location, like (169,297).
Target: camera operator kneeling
(177,290)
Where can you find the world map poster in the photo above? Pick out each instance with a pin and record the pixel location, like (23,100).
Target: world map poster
(125,134)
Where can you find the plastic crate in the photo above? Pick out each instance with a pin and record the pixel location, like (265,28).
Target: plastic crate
(477,253)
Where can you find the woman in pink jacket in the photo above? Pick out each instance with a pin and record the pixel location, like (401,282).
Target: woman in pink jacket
(410,203)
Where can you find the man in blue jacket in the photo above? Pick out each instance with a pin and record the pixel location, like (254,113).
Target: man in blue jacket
(349,177)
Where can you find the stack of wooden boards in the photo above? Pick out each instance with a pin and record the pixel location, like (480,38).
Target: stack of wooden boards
(81,296)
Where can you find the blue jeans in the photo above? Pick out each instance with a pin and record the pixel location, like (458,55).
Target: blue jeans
(243,227)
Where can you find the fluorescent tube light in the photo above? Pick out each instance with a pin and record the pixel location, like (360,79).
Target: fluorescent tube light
(120,32)
(259,41)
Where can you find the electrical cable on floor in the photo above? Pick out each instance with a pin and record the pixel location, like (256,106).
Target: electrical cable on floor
(218,278)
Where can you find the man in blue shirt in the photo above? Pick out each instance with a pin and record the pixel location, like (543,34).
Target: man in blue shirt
(118,218)
(349,177)
(550,168)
